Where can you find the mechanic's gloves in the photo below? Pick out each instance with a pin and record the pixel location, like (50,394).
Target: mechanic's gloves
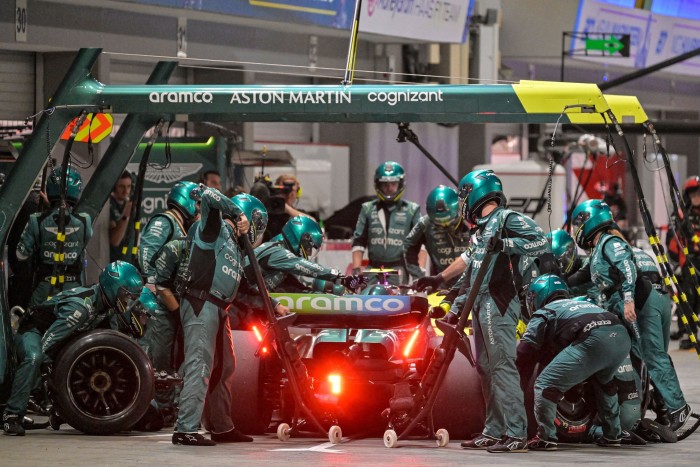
(353,282)
(451,318)
(196,193)
(423,283)
(440,311)
(495,244)
(356,271)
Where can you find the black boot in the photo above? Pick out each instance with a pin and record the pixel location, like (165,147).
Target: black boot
(12,424)
(233,436)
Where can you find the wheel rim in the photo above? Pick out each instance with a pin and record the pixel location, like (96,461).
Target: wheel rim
(103,383)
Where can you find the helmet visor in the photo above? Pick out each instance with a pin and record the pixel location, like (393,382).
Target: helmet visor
(257,227)
(577,226)
(566,260)
(307,248)
(134,318)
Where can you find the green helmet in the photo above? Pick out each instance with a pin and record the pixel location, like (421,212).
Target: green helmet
(179,198)
(134,319)
(543,290)
(443,206)
(121,283)
(303,236)
(74,185)
(389,172)
(256,213)
(476,189)
(589,218)
(563,249)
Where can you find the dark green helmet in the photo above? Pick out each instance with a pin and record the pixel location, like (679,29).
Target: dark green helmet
(134,319)
(256,213)
(389,172)
(179,198)
(563,249)
(121,283)
(303,235)
(74,185)
(443,206)
(543,290)
(589,218)
(476,189)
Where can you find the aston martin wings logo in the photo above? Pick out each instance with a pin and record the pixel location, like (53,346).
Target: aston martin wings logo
(170,175)
(69,230)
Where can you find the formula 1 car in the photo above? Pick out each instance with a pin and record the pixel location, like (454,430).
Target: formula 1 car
(355,348)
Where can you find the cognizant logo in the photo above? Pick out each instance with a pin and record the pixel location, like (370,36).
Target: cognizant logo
(310,304)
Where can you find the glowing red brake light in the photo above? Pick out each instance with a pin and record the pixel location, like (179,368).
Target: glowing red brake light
(335,382)
(258,336)
(411,342)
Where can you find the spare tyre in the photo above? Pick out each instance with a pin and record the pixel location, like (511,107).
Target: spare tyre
(103,382)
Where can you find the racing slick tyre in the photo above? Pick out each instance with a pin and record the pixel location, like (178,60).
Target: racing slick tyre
(459,407)
(251,408)
(103,382)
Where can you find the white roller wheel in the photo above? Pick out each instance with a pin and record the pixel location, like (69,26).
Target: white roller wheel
(442,438)
(283,432)
(335,434)
(390,439)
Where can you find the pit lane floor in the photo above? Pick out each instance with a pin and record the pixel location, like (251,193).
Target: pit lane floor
(69,447)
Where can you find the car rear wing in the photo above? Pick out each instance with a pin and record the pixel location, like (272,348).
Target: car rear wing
(355,311)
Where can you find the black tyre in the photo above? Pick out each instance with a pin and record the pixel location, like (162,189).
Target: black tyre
(251,409)
(460,406)
(103,382)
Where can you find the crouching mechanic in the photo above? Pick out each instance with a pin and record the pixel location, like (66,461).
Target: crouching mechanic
(45,327)
(287,260)
(173,223)
(445,236)
(510,236)
(39,240)
(587,341)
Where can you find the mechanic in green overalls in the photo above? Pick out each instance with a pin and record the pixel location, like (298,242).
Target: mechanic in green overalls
(384,224)
(586,342)
(646,312)
(208,284)
(39,240)
(287,261)
(44,327)
(445,236)
(510,236)
(173,223)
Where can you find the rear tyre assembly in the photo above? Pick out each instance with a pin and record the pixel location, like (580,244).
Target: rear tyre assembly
(251,412)
(283,432)
(442,438)
(335,434)
(390,439)
(103,383)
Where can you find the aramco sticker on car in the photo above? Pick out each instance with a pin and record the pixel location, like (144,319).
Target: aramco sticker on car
(325,303)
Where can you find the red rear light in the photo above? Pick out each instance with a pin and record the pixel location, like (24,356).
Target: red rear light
(335,382)
(411,342)
(258,336)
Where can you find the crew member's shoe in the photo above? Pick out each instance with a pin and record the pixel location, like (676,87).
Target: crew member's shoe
(676,335)
(655,432)
(509,444)
(631,438)
(685,344)
(539,444)
(12,424)
(191,439)
(482,441)
(608,443)
(233,436)
(680,417)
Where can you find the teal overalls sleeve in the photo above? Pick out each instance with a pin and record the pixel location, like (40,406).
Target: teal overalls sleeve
(536,329)
(166,263)
(213,202)
(522,236)
(361,235)
(158,229)
(619,254)
(412,245)
(281,259)
(28,241)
